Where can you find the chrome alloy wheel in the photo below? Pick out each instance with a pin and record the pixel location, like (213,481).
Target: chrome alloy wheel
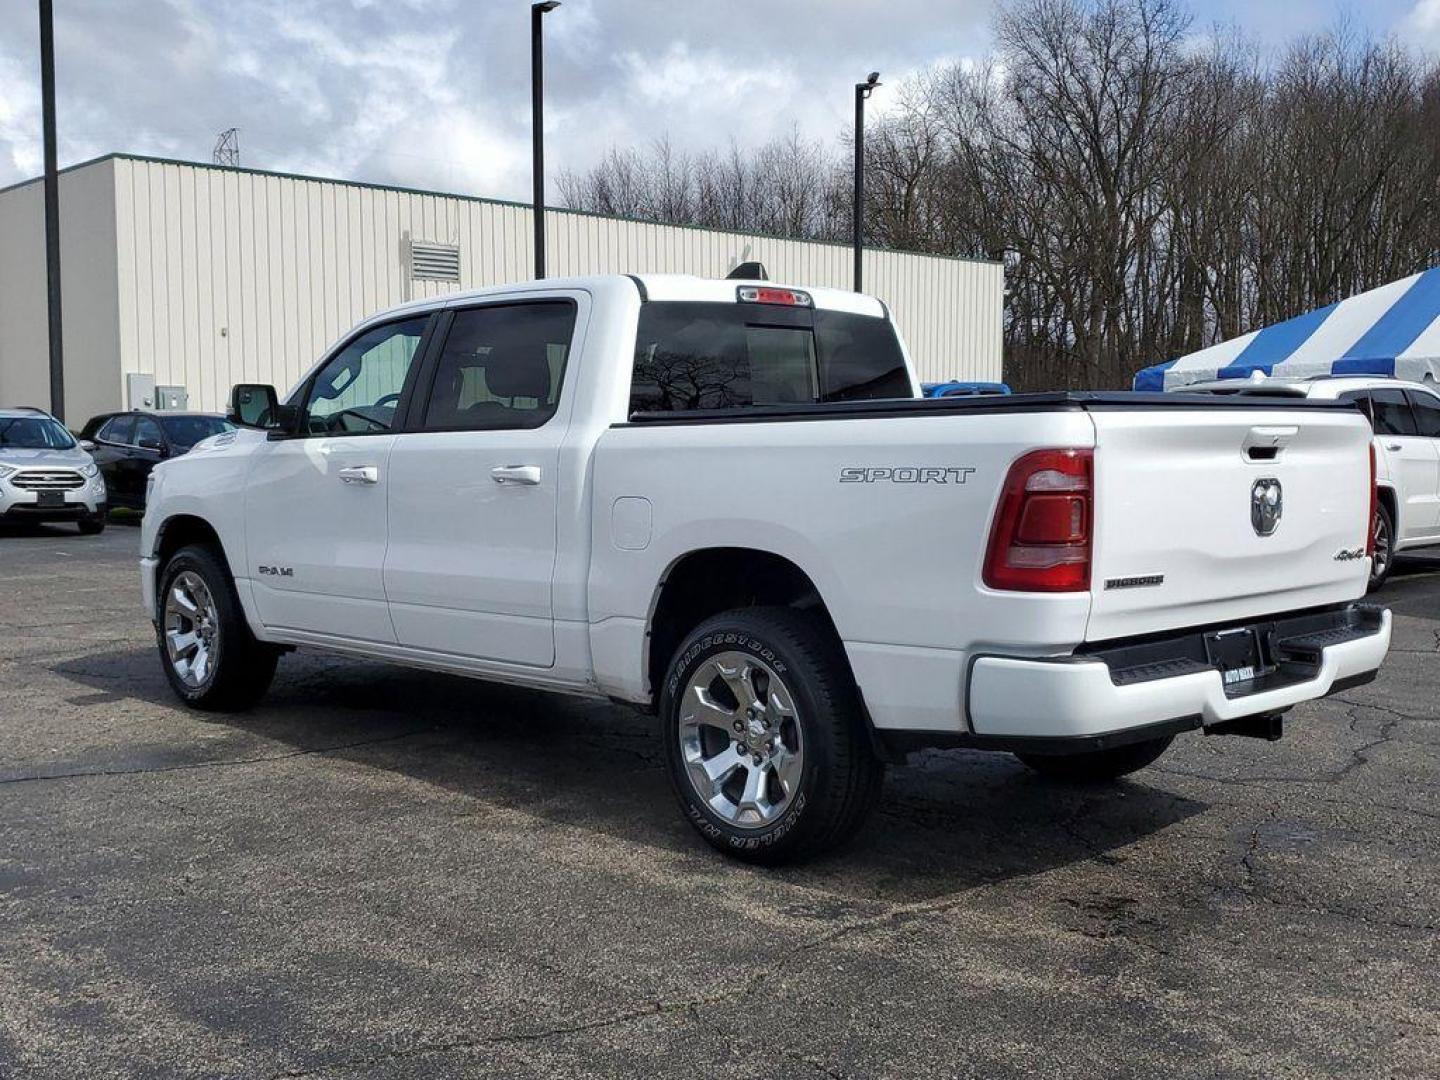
(740,739)
(1381,560)
(192,629)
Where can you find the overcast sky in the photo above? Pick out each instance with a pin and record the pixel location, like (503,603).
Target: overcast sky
(435,93)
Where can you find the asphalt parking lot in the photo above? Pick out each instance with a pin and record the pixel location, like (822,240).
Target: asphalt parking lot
(382,873)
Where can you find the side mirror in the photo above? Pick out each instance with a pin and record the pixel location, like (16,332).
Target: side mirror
(87,446)
(253,405)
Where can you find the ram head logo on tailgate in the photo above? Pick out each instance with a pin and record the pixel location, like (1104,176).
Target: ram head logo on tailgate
(1267,502)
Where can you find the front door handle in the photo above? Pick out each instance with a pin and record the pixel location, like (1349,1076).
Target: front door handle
(516,474)
(360,474)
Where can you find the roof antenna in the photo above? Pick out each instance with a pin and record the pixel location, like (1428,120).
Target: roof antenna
(748,271)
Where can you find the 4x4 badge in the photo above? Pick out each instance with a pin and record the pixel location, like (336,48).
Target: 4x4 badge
(1267,503)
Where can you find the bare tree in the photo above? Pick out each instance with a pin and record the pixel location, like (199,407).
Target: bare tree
(1148,195)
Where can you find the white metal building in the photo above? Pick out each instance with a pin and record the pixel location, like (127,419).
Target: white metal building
(196,277)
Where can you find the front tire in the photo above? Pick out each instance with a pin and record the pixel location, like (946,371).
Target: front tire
(764,736)
(1098,766)
(210,657)
(1384,559)
(92,526)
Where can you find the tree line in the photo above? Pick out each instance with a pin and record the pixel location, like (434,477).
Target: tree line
(1150,189)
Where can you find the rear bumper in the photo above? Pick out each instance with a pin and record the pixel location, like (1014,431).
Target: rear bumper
(1166,681)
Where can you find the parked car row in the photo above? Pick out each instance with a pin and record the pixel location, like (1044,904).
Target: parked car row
(47,474)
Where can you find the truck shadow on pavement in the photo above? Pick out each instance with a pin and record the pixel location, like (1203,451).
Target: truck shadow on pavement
(1413,588)
(946,822)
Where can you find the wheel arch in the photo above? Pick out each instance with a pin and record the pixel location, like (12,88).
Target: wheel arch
(1388,498)
(182,530)
(706,581)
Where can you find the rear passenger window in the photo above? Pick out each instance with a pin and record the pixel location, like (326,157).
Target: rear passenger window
(502,367)
(1427,412)
(1392,413)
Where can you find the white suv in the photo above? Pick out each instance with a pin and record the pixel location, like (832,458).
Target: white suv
(1406,419)
(45,475)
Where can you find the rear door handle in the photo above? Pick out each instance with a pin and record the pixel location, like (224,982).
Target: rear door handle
(1394,446)
(516,474)
(359,474)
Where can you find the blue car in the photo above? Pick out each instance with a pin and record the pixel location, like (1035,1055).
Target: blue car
(964,389)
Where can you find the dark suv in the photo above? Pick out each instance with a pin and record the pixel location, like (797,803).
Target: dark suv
(129,444)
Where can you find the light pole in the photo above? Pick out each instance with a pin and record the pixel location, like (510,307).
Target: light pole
(537,121)
(52,210)
(862,91)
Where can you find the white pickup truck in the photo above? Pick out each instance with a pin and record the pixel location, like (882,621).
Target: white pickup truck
(723,501)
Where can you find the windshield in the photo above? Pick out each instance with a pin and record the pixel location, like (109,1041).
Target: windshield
(189,430)
(34,433)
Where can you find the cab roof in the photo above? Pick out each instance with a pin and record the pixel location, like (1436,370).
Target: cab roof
(658,287)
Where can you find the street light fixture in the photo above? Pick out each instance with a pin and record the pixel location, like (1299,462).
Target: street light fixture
(537,121)
(52,211)
(862,91)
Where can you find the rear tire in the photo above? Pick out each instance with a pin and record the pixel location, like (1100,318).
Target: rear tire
(210,657)
(1384,559)
(1098,766)
(807,776)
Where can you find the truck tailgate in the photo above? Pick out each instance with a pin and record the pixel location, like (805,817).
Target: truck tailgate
(1204,516)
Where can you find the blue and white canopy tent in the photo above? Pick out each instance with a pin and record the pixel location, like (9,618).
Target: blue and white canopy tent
(1393,330)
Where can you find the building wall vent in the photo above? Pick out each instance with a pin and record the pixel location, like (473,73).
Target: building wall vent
(438,262)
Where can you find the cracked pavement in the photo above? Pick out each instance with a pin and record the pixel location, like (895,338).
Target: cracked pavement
(385,873)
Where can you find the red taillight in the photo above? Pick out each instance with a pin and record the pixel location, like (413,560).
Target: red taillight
(1374,505)
(764,294)
(1041,538)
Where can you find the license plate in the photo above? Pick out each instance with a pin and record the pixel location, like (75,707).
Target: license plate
(50,500)
(1236,653)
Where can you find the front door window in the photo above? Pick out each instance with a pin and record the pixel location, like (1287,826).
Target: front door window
(359,390)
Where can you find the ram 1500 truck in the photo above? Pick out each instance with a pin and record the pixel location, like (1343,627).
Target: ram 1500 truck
(724,501)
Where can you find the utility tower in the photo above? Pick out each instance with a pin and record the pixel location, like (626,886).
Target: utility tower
(227,147)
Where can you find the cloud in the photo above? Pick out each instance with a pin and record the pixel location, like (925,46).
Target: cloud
(1422,25)
(435,93)
(19,120)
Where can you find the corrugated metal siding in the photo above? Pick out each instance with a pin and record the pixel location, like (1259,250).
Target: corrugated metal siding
(229,276)
(89,277)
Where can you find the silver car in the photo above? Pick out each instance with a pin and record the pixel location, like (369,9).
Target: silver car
(45,475)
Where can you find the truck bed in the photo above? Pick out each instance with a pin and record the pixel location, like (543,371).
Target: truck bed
(1053,401)
(900,564)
